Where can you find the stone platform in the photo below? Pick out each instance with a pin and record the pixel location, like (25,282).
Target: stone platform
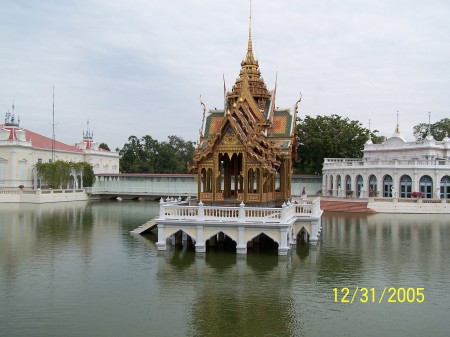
(241,224)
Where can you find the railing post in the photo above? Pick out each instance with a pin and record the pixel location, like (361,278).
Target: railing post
(283,212)
(161,209)
(315,206)
(201,211)
(241,210)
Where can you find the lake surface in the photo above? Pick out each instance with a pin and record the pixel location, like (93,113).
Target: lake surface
(72,269)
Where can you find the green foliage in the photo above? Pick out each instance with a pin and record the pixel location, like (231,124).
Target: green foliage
(57,174)
(87,171)
(104,146)
(438,130)
(329,137)
(147,155)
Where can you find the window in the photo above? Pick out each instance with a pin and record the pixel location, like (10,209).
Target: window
(426,186)
(372,186)
(387,186)
(445,187)
(3,168)
(359,185)
(405,186)
(348,184)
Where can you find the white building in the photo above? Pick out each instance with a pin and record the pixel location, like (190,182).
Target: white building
(395,168)
(21,149)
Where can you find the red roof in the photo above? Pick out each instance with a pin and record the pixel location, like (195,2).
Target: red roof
(42,142)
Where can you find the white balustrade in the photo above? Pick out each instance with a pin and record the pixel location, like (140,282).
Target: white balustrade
(170,210)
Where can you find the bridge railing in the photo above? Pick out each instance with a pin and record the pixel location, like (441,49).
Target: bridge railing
(175,211)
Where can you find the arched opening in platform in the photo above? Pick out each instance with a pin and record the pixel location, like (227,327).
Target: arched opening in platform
(221,241)
(181,240)
(262,243)
(303,237)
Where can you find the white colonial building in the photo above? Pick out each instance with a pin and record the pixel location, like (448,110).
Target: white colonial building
(393,169)
(21,149)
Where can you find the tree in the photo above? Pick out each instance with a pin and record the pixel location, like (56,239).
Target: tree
(86,171)
(147,155)
(57,174)
(131,156)
(104,146)
(329,137)
(438,130)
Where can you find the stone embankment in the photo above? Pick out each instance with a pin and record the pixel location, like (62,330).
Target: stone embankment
(345,205)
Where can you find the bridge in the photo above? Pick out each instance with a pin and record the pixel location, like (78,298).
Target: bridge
(155,186)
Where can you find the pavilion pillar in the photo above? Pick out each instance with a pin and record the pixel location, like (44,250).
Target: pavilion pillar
(161,244)
(241,247)
(200,243)
(283,247)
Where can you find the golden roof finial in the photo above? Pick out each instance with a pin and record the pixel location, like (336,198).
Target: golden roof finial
(250,46)
(250,59)
(250,71)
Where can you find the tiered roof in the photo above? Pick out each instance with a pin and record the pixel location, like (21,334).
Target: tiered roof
(250,115)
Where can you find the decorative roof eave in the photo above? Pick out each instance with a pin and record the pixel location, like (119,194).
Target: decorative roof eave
(246,96)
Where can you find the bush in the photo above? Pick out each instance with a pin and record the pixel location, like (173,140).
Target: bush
(417,194)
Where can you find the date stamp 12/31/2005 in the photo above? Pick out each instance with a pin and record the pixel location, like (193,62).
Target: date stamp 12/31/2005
(373,295)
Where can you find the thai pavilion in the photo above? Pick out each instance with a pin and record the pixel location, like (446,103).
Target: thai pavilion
(246,150)
(243,166)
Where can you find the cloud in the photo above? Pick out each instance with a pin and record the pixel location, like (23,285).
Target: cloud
(138,67)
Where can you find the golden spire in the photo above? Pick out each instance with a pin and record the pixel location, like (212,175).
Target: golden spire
(250,59)
(250,46)
(250,71)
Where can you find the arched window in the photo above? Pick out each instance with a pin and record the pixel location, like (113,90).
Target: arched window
(372,186)
(348,184)
(445,187)
(405,186)
(339,186)
(359,185)
(387,186)
(426,186)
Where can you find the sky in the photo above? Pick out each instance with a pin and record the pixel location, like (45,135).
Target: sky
(138,67)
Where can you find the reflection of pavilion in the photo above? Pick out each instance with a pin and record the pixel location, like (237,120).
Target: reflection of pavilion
(227,294)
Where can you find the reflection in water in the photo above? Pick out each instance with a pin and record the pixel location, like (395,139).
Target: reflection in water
(41,232)
(73,269)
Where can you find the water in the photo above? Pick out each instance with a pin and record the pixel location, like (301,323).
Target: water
(72,269)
